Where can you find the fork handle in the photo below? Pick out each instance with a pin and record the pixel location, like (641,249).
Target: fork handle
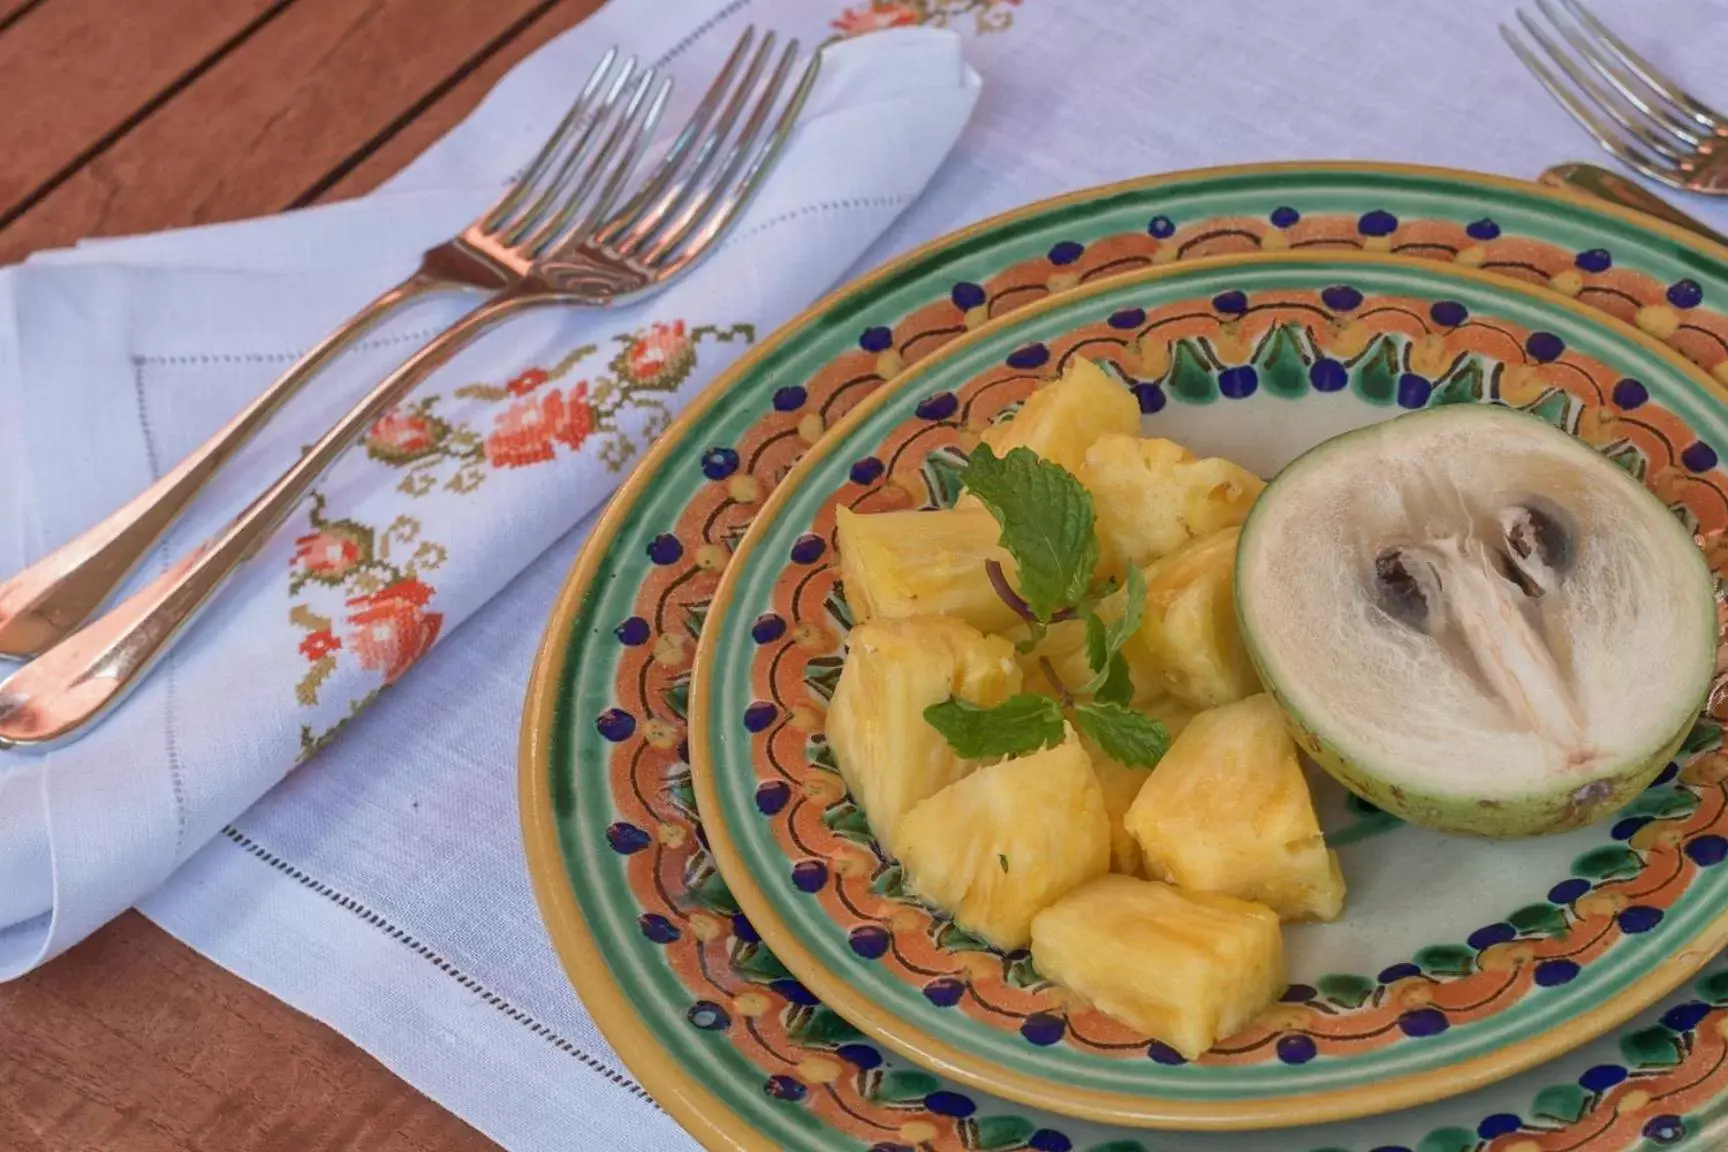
(72,684)
(48,600)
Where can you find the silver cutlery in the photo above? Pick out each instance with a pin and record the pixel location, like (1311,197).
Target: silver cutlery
(1634,111)
(590,255)
(1600,184)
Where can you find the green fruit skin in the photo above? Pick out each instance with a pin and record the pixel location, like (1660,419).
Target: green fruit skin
(1537,814)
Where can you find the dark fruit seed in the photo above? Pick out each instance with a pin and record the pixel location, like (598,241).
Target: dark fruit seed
(1401,594)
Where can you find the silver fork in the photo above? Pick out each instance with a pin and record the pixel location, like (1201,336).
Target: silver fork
(1640,116)
(48,600)
(599,257)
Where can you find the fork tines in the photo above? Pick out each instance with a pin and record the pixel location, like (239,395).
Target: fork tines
(1633,110)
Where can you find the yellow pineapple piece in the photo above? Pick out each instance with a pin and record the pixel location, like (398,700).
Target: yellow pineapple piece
(1188,644)
(899,564)
(1121,783)
(996,847)
(1227,810)
(889,755)
(1153,496)
(1062,419)
(1188,968)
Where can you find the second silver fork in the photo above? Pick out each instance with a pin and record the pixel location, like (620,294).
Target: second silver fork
(601,257)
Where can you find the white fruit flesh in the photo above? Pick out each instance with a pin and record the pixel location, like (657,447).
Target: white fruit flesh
(1400,603)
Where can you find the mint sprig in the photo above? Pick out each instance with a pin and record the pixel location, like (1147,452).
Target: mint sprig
(1124,734)
(1018,725)
(1047,524)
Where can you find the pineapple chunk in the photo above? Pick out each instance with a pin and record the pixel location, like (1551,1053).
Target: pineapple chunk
(997,847)
(1062,419)
(1189,644)
(1121,783)
(889,755)
(899,564)
(1227,810)
(1153,496)
(1188,968)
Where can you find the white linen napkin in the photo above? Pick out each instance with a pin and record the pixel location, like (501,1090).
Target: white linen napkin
(110,371)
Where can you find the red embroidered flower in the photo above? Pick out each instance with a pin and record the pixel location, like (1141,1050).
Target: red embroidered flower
(527,382)
(328,554)
(319,644)
(874,16)
(402,435)
(391,628)
(660,356)
(524,434)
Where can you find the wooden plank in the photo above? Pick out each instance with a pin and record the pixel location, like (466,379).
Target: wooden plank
(369,169)
(133,1041)
(269,120)
(116,58)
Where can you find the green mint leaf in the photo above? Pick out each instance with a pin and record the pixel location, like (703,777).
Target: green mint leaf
(1047,524)
(1118,686)
(1020,724)
(1133,605)
(1097,645)
(1036,630)
(1123,733)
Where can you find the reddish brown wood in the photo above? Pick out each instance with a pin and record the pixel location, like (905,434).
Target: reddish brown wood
(133,1043)
(265,124)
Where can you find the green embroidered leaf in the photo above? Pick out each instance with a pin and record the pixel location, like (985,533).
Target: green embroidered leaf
(1446,959)
(1190,375)
(1282,367)
(711,892)
(1453,1139)
(821,1027)
(758,965)
(905,1086)
(950,937)
(1047,524)
(1610,862)
(890,882)
(1662,803)
(1563,1103)
(820,753)
(1020,724)
(822,674)
(1714,988)
(1655,1047)
(1378,371)
(1467,384)
(1538,920)
(1123,734)
(942,471)
(676,695)
(848,820)
(1000,1133)
(1706,736)
(1346,989)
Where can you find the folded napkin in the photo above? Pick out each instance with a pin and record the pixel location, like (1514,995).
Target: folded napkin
(116,358)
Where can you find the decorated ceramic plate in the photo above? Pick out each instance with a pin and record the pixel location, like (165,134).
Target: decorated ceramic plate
(1457,961)
(712,1023)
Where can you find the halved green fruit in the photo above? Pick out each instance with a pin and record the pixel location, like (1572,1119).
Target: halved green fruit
(1475,621)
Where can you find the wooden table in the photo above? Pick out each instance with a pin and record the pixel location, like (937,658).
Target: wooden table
(122,116)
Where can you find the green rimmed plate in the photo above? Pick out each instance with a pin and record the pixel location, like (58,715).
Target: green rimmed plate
(1457,962)
(715,1027)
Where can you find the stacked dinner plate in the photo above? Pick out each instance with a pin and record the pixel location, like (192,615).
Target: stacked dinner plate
(718,898)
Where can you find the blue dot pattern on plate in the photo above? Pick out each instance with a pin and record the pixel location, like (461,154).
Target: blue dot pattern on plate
(1665,1129)
(790,398)
(1594,260)
(708,1016)
(719,463)
(1161,227)
(1448,312)
(1328,375)
(1639,918)
(794,991)
(1568,890)
(1483,229)
(1298,994)
(772,796)
(1601,1077)
(810,875)
(1151,398)
(1630,394)
(1239,382)
(967,295)
(1553,973)
(1049,1140)
(1544,346)
(1699,456)
(1128,318)
(1685,294)
(626,839)
(1042,1029)
(808,548)
(1296,1049)
(1497,1125)
(665,549)
(938,407)
(744,930)
(1707,851)
(953,1104)
(1423,1022)
(1341,298)
(1685,1017)
(945,992)
(615,724)
(1491,935)
(860,1056)
(784,1087)
(876,339)
(759,715)
(632,632)
(867,471)
(1231,303)
(1377,223)
(768,628)
(869,941)
(1396,972)
(1627,828)
(1066,252)
(1285,216)
(657,928)
(1161,1053)
(1028,356)
(1413,390)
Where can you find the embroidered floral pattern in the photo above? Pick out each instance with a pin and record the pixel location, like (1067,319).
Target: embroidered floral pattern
(987,15)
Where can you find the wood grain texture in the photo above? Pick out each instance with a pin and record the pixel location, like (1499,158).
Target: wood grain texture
(265,124)
(132,1042)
